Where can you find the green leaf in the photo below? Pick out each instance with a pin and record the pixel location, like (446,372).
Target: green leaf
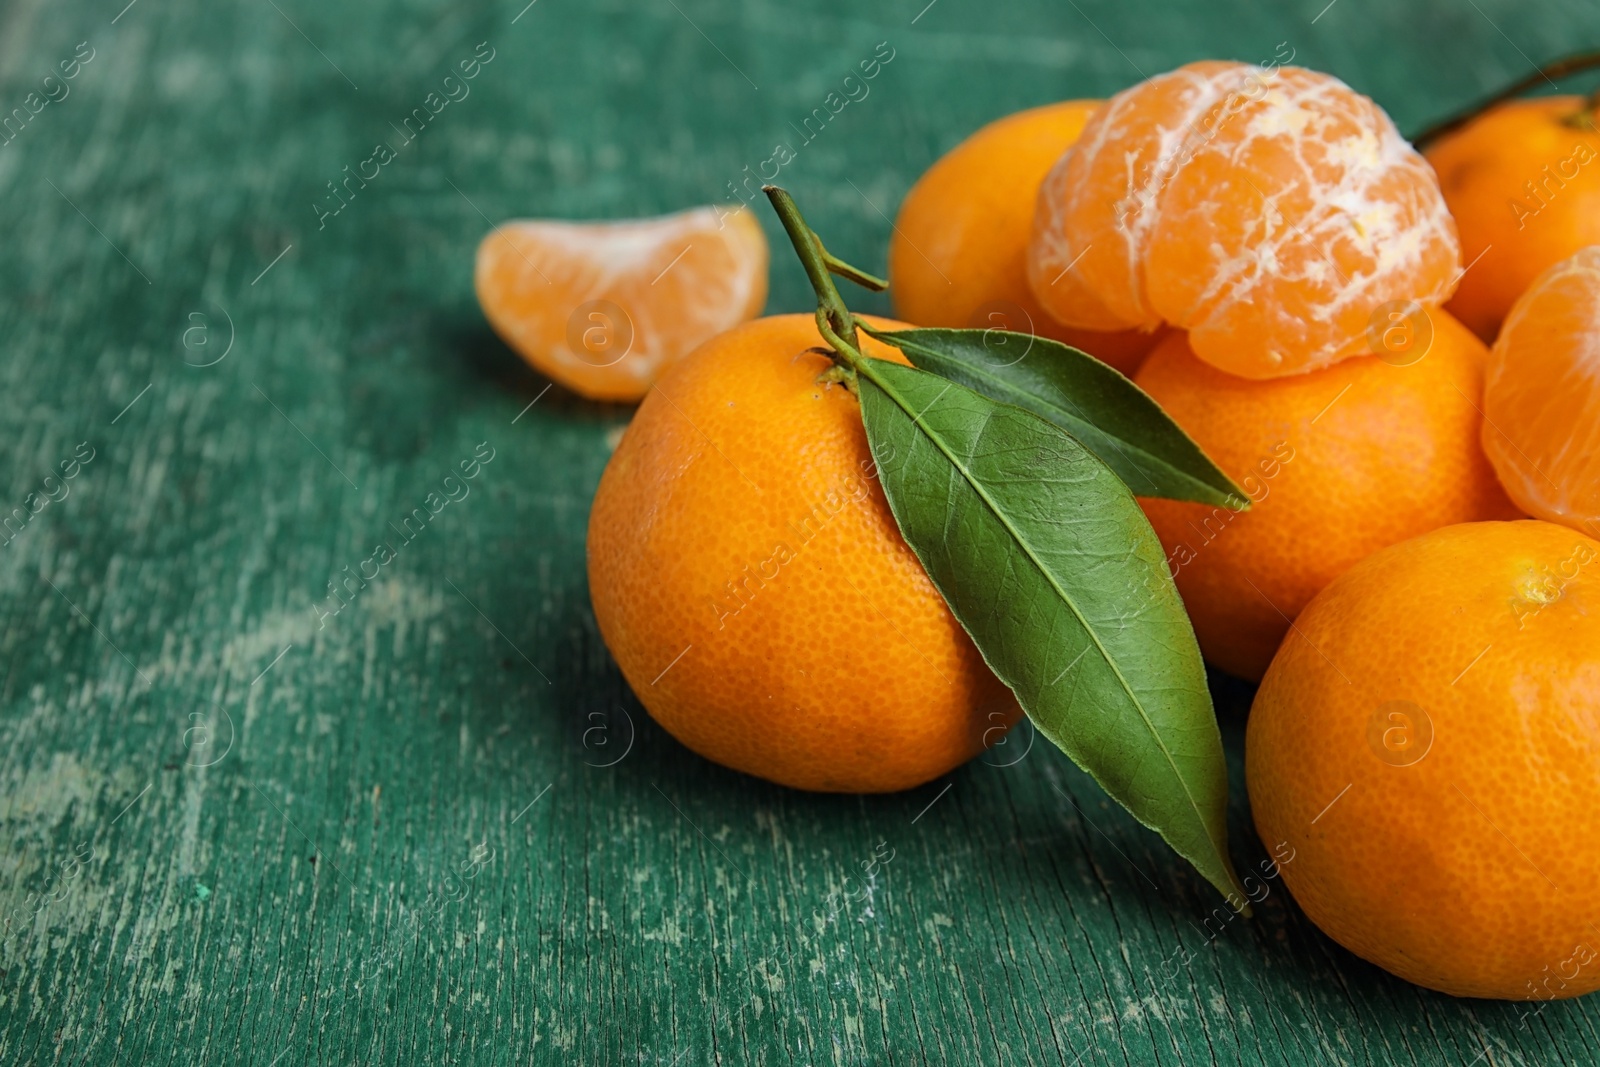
(1112,417)
(1044,556)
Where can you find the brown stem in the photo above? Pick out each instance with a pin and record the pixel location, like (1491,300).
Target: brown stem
(1588,116)
(1559,68)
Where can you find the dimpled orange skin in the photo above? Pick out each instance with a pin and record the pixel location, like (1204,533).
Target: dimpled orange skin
(1472,869)
(1484,169)
(960,243)
(1337,463)
(751,583)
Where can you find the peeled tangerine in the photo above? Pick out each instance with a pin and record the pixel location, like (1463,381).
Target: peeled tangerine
(605,308)
(1541,397)
(1273,214)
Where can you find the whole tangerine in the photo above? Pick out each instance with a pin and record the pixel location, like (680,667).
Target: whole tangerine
(1427,742)
(958,255)
(751,583)
(1523,182)
(1337,463)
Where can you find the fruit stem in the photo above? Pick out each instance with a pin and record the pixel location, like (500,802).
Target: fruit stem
(855,274)
(1558,68)
(834,320)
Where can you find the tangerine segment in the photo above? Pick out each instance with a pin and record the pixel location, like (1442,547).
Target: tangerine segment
(1541,398)
(1097,206)
(1271,214)
(605,307)
(751,583)
(958,256)
(1289,228)
(1426,746)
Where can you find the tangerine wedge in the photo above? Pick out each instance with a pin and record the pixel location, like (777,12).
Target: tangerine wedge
(1541,398)
(605,308)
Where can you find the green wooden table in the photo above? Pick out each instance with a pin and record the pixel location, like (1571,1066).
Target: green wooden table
(435,827)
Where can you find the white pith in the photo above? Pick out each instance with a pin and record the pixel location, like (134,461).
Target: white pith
(1378,231)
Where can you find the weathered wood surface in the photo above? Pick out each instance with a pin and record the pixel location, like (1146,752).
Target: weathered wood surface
(435,827)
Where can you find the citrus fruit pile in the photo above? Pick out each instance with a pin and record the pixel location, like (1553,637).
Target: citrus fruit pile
(1204,369)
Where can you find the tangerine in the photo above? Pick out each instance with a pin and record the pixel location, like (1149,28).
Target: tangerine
(605,308)
(1427,743)
(1523,182)
(1269,213)
(1337,463)
(752,584)
(1541,398)
(958,253)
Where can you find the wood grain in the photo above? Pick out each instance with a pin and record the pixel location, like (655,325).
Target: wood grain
(436,827)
